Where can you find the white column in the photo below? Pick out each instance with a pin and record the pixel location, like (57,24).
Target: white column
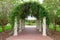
(40,26)
(37,24)
(23,24)
(15,28)
(20,28)
(44,26)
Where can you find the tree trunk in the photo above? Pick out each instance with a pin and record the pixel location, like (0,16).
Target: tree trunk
(3,33)
(54,22)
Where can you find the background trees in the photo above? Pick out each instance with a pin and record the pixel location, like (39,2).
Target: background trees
(52,6)
(3,18)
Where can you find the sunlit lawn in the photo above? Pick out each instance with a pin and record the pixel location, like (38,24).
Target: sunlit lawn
(51,27)
(9,27)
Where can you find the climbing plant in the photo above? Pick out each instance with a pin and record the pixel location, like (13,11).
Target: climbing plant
(29,8)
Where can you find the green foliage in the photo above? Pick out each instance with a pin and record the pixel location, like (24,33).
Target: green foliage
(3,18)
(0,29)
(47,19)
(28,8)
(6,27)
(30,22)
(58,12)
(53,7)
(58,29)
(3,14)
(12,17)
(58,20)
(51,27)
(33,8)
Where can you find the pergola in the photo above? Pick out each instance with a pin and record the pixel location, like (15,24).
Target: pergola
(22,11)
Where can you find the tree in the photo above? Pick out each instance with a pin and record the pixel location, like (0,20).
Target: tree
(3,18)
(52,7)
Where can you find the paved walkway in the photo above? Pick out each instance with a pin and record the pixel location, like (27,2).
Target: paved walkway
(29,34)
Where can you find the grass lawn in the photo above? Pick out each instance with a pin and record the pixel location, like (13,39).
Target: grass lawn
(51,27)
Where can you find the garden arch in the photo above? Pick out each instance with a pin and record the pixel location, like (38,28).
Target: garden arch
(28,8)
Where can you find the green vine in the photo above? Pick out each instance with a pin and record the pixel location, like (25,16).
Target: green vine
(25,9)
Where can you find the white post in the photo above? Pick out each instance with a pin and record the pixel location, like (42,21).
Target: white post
(23,24)
(23,27)
(20,26)
(37,24)
(15,28)
(44,26)
(40,26)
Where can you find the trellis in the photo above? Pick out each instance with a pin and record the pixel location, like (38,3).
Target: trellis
(29,8)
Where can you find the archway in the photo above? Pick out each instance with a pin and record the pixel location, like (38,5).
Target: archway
(21,11)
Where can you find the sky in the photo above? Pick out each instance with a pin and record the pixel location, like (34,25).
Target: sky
(41,1)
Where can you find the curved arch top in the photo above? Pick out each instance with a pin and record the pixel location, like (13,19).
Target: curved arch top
(27,8)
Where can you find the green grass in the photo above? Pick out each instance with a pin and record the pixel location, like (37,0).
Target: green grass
(51,27)
(58,28)
(0,29)
(7,27)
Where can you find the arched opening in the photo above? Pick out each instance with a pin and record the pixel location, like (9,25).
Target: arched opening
(22,11)
(30,21)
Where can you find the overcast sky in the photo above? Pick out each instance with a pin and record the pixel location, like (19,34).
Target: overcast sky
(41,1)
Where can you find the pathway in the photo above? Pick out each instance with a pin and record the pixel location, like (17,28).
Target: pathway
(29,33)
